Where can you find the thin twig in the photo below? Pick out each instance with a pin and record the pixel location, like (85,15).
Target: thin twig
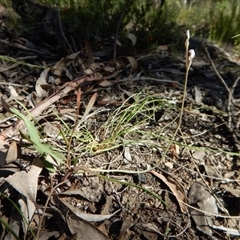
(215,69)
(63,35)
(46,204)
(117,33)
(16,85)
(189,56)
(230,91)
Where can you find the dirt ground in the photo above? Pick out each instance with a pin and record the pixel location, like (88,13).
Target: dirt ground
(124,176)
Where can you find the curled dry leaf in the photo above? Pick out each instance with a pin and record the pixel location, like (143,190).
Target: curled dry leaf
(133,38)
(198,95)
(4,146)
(125,226)
(127,154)
(12,153)
(5,105)
(176,189)
(133,63)
(14,94)
(58,67)
(42,80)
(8,152)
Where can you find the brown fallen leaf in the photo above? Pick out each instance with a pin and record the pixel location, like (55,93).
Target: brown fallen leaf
(87,216)
(12,153)
(4,146)
(26,184)
(132,37)
(58,67)
(133,63)
(125,226)
(106,83)
(83,229)
(42,80)
(200,197)
(8,152)
(176,189)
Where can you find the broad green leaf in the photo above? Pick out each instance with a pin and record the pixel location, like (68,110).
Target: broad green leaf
(34,138)
(33,133)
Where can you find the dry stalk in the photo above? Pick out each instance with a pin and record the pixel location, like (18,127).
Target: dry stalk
(190,54)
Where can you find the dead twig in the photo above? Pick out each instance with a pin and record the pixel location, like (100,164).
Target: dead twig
(230,91)
(231,101)
(116,35)
(61,30)
(190,54)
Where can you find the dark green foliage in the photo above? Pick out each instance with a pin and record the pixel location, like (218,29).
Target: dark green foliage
(154,22)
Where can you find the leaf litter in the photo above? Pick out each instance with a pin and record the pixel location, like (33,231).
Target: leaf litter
(101,130)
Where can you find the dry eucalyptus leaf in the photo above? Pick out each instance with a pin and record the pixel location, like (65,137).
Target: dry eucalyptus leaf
(176,189)
(49,235)
(42,80)
(5,105)
(133,63)
(234,192)
(12,153)
(198,95)
(27,208)
(127,154)
(229,231)
(13,93)
(76,192)
(88,71)
(7,170)
(94,66)
(133,38)
(125,226)
(8,152)
(199,197)
(26,182)
(83,229)
(58,67)
(109,69)
(211,171)
(106,83)
(4,146)
(87,216)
